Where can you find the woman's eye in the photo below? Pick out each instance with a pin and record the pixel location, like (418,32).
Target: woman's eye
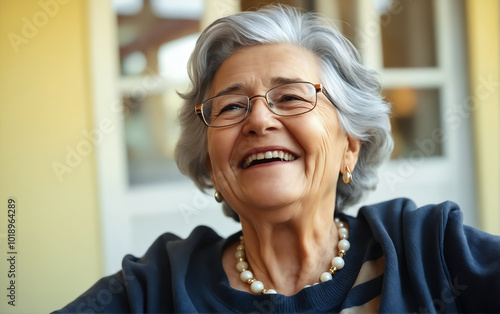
(286,98)
(231,107)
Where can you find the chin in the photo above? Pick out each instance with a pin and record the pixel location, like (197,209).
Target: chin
(273,200)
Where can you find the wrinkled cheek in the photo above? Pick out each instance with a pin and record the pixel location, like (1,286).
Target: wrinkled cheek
(226,183)
(332,150)
(221,170)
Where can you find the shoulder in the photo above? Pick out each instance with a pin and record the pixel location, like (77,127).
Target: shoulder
(397,213)
(402,222)
(401,218)
(169,243)
(451,266)
(404,229)
(147,282)
(167,260)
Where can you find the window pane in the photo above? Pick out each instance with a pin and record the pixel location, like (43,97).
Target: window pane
(415,122)
(155,38)
(151,132)
(408,34)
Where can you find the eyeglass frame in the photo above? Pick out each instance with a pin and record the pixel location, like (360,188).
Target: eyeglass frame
(317,87)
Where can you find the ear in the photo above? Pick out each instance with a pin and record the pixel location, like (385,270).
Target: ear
(351,153)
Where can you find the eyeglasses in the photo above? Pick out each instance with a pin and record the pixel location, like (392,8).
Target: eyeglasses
(290,99)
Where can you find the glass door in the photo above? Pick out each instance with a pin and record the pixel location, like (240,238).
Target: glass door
(418,47)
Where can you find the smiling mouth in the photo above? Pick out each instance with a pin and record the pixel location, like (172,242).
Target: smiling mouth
(265,157)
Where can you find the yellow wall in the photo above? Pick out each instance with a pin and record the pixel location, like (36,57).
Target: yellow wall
(484,78)
(44,106)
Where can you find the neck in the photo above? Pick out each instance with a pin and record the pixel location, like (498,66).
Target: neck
(288,254)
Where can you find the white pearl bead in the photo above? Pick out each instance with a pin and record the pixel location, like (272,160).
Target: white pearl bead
(340,224)
(240,247)
(257,286)
(344,245)
(325,277)
(343,233)
(239,254)
(317,283)
(271,291)
(244,276)
(241,266)
(307,286)
(338,262)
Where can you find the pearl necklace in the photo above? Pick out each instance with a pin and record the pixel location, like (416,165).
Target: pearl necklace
(257,287)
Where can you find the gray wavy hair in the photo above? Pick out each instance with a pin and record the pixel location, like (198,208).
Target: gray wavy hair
(355,89)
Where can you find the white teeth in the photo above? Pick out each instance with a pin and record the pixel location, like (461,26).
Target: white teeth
(268,155)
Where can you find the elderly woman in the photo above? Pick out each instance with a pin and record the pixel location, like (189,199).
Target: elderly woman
(288,127)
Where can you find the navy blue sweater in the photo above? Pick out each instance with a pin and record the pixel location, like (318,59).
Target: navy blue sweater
(402,259)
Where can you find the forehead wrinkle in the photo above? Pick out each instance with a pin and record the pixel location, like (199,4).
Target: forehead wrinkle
(275,81)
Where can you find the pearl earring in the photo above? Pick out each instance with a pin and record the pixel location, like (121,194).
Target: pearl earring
(218,197)
(347,177)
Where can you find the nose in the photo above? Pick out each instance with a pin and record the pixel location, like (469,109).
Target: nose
(261,119)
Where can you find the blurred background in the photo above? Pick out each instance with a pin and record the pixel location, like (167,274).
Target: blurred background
(88,109)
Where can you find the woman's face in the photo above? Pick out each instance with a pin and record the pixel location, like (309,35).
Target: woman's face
(314,140)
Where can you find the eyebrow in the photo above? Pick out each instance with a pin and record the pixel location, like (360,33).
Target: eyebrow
(285,80)
(275,81)
(230,89)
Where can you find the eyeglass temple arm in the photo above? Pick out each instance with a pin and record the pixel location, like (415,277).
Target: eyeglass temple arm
(197,110)
(320,88)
